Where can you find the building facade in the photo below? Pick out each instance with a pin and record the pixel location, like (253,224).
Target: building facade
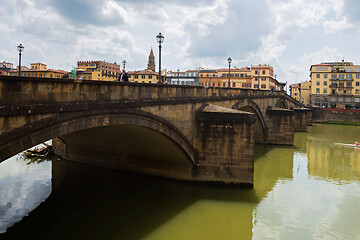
(143,76)
(190,78)
(98,70)
(38,70)
(5,67)
(263,78)
(301,92)
(335,85)
(239,77)
(295,91)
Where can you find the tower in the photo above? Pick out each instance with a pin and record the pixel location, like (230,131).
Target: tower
(151,61)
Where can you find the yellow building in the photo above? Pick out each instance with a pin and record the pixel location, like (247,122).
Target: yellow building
(263,78)
(295,91)
(143,76)
(97,70)
(335,85)
(301,92)
(38,70)
(305,92)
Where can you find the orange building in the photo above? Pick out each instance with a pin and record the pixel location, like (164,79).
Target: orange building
(239,77)
(209,78)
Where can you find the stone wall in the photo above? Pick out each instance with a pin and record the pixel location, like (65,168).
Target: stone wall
(345,115)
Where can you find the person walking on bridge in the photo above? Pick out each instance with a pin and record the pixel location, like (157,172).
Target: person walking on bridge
(124,76)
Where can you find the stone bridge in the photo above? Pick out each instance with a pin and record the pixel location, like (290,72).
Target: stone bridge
(180,132)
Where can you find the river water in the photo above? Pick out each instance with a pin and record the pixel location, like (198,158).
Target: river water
(309,191)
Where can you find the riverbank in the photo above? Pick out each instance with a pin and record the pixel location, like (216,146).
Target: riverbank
(339,123)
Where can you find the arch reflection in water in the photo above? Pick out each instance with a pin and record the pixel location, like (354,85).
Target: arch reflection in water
(288,200)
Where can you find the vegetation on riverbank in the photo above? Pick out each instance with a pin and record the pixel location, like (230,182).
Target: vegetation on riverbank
(340,123)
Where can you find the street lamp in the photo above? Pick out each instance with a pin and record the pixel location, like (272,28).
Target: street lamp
(229,61)
(124,63)
(160,40)
(178,76)
(259,78)
(20,49)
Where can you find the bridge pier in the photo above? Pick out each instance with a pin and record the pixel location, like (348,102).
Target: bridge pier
(301,119)
(280,126)
(225,142)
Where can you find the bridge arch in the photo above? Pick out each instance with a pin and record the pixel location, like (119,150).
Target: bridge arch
(281,103)
(20,139)
(260,126)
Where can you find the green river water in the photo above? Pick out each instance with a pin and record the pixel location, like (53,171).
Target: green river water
(308,191)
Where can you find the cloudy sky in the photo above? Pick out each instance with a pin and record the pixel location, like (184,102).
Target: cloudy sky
(290,35)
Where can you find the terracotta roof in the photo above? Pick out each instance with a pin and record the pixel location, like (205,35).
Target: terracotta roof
(40,70)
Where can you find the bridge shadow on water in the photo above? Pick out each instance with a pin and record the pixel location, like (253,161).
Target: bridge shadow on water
(90,202)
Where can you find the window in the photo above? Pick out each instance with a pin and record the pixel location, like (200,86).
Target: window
(223,84)
(256,86)
(341,76)
(249,85)
(142,76)
(322,69)
(348,69)
(333,76)
(348,77)
(150,76)
(357,91)
(51,75)
(256,72)
(263,79)
(325,75)
(357,75)
(136,76)
(243,84)
(326,69)
(325,90)
(264,72)
(318,75)
(234,84)
(325,83)
(357,83)
(357,69)
(318,90)
(318,83)
(317,69)
(263,86)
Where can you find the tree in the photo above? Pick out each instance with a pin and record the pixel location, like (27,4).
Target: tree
(65,75)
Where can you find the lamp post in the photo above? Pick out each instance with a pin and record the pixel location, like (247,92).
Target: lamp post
(178,76)
(229,61)
(124,63)
(20,49)
(160,40)
(259,78)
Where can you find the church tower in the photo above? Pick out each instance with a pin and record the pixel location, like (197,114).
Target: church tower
(151,61)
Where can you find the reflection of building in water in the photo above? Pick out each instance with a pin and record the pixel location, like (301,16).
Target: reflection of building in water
(271,164)
(336,162)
